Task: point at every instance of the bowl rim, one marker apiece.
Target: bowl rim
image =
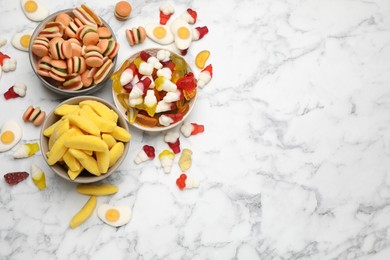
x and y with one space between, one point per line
69 93
156 128
56 167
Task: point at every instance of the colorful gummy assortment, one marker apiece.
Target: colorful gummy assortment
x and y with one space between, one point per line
155 90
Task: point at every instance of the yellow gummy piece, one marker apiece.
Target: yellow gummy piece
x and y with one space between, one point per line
87 161
48 131
104 125
58 149
30 6
116 152
97 190
115 77
123 98
201 58
84 124
137 62
109 140
66 109
59 130
84 213
40 180
101 109
151 110
131 115
72 163
166 153
158 82
103 161
73 174
32 148
185 160
121 134
86 142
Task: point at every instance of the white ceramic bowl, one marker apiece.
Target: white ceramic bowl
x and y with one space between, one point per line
61 170
52 84
123 110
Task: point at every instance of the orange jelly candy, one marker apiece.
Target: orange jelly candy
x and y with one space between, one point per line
146 120
188 95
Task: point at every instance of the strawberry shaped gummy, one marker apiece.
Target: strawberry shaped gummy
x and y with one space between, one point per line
13 178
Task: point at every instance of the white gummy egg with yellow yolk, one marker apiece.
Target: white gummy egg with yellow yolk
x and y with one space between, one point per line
159 33
10 135
34 10
21 41
182 33
115 216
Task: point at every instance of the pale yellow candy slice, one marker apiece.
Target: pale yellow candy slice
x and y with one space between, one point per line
116 152
101 109
105 125
87 161
86 142
84 124
66 109
121 134
59 130
109 139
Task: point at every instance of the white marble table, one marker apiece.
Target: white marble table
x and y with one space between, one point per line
294 162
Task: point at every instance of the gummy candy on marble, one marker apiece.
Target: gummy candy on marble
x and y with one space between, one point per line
166 158
147 153
185 160
6 63
187 83
150 102
163 83
188 95
38 177
26 150
166 11
168 119
201 58
199 32
3 42
172 138
17 90
146 120
205 76
189 16
184 182
13 178
188 129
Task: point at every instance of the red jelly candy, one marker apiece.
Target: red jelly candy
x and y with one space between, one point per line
3 57
187 83
193 14
149 150
169 64
197 129
181 181
144 56
14 178
175 146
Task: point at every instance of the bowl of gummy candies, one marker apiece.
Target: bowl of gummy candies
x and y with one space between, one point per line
155 89
73 51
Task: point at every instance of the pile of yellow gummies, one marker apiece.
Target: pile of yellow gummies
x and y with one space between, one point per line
86 136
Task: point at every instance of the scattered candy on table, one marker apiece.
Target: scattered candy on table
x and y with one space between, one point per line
6 63
17 90
166 159
13 178
184 182
10 135
26 150
205 76
38 177
21 41
97 190
122 10
189 16
173 141
34 115
84 213
185 160
201 59
34 10
147 153
166 11
115 216
136 35
199 32
188 129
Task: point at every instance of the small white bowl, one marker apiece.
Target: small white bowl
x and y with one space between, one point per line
123 111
